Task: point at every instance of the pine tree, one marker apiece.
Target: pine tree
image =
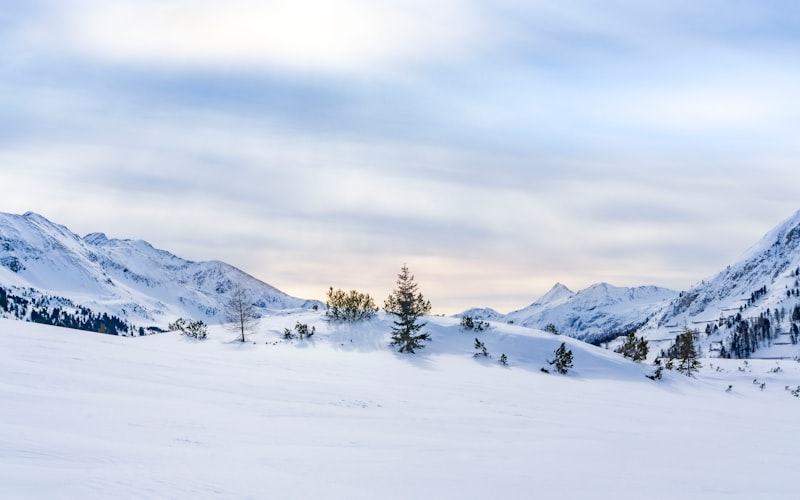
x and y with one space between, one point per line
407 305
551 328
634 348
658 371
686 354
562 360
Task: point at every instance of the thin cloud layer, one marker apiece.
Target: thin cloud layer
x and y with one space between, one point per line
342 36
496 147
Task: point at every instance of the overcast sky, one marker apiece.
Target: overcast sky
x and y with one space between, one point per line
497 147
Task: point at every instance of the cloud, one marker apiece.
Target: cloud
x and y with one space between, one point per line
496 146
347 36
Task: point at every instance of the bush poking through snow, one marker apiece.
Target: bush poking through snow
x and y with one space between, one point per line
468 323
349 307
562 361
301 331
195 329
551 328
480 347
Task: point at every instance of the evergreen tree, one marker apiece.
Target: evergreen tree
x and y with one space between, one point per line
551 328
562 360
658 371
686 354
503 359
634 348
407 305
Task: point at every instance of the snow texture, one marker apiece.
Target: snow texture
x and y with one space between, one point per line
342 416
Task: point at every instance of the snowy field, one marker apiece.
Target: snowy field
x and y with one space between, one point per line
342 416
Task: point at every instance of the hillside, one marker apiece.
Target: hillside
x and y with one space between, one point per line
342 416
129 279
751 308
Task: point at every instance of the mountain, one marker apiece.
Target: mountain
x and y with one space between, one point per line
557 296
484 313
127 278
597 314
749 306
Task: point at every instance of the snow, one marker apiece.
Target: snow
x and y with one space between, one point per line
342 416
593 314
126 278
770 264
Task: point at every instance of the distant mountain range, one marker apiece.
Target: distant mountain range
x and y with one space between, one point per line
126 278
751 308
596 314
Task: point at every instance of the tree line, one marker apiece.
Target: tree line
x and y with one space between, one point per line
62 312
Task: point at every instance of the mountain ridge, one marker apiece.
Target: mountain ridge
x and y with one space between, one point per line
128 278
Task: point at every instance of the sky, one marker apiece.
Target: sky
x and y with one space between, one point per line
496 147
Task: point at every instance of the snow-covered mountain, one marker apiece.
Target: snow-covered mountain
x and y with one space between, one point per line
126 278
596 314
747 307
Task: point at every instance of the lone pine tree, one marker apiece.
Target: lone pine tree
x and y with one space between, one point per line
686 353
562 360
407 305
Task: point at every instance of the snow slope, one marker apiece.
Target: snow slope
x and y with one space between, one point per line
126 278
342 416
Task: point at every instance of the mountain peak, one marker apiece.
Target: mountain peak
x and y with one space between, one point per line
95 238
559 292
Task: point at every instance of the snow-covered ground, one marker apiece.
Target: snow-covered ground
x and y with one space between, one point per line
340 415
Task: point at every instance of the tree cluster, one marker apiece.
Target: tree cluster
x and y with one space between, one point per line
469 323
634 348
684 352
301 331
62 312
551 328
349 307
195 329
